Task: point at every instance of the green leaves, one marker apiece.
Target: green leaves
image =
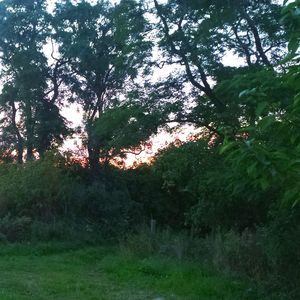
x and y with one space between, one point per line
248 92
293 45
124 128
106 50
266 122
265 156
291 20
33 121
227 147
261 108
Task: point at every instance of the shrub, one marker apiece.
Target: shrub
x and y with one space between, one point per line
51 192
282 246
163 242
14 229
39 189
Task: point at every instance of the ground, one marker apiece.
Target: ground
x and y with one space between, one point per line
65 272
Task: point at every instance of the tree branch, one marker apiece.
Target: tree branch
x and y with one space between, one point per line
257 39
205 88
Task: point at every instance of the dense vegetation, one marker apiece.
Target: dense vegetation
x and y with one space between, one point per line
231 194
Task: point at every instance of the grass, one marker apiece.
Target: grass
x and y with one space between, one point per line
62 272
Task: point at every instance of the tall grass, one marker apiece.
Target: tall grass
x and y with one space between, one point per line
244 254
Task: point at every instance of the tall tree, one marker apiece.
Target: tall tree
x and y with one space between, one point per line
196 35
105 47
29 97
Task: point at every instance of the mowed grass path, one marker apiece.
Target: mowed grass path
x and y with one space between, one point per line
60 272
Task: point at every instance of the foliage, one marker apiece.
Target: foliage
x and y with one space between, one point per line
291 20
29 98
145 189
197 190
103 55
182 170
196 35
14 228
266 155
124 129
37 189
48 192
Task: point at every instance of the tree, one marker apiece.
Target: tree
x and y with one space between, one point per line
197 34
30 93
106 48
124 129
266 155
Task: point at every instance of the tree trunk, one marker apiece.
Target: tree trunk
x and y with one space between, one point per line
20 151
29 152
20 142
93 149
94 156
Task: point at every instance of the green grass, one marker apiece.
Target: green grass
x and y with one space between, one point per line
62 272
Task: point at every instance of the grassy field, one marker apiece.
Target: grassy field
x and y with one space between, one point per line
62 272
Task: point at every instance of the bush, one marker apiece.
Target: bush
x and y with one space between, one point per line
41 231
236 253
282 246
39 189
163 242
53 193
65 230
14 229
